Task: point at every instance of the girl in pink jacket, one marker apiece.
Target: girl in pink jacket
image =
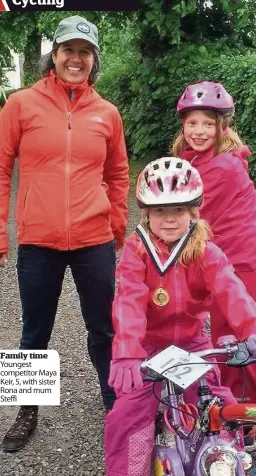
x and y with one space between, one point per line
168 272
217 152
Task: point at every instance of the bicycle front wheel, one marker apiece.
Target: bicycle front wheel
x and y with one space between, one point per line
221 460
221 468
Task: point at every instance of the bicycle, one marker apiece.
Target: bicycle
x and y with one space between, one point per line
198 449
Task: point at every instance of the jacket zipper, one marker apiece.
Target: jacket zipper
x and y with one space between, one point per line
178 303
67 179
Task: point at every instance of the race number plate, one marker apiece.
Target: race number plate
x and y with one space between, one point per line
179 366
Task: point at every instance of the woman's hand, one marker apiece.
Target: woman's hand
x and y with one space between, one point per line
3 260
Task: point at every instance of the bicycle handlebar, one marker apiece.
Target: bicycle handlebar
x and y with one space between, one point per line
238 354
215 352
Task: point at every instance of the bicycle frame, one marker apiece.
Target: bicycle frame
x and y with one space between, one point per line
187 458
196 452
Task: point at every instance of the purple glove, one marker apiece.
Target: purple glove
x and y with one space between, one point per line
125 375
251 344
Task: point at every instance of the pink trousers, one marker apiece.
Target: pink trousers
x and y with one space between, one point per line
130 426
231 377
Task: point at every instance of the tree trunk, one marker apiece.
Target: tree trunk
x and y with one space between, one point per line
32 54
21 64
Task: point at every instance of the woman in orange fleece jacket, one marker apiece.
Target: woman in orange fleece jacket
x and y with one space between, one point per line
72 199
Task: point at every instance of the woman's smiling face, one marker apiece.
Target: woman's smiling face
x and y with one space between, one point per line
74 61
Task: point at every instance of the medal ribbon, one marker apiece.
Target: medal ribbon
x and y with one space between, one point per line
177 250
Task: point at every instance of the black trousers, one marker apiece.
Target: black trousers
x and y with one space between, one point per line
40 276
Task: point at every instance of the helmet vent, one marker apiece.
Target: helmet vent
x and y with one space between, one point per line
179 165
146 178
160 184
167 164
199 95
156 167
187 178
218 96
174 183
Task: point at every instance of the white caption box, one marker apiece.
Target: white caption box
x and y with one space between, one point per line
179 366
29 377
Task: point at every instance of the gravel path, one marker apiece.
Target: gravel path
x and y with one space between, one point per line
68 440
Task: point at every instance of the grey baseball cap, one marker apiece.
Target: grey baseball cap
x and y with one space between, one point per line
76 27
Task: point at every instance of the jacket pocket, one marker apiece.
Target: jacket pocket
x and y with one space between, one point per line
25 204
105 202
22 201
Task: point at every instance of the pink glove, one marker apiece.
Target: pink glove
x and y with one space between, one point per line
224 340
125 375
251 344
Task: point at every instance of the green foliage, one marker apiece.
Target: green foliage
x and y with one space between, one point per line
6 92
160 25
164 23
120 60
164 54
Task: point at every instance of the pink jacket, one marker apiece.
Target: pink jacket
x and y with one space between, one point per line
229 203
138 321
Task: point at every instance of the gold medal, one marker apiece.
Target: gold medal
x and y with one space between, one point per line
161 297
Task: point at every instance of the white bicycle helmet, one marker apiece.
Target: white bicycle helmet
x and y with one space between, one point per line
169 181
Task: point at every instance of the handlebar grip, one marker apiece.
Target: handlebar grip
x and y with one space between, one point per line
152 376
241 358
147 378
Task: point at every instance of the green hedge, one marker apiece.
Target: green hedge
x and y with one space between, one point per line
147 94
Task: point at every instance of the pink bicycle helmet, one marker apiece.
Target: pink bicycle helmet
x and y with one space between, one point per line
169 181
206 95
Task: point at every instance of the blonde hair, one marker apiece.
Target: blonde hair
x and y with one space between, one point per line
197 241
224 142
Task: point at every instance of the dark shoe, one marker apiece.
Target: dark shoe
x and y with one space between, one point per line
19 433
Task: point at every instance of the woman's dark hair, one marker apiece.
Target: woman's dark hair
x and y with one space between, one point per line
46 64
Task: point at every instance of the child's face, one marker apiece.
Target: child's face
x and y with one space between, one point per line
200 131
169 223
